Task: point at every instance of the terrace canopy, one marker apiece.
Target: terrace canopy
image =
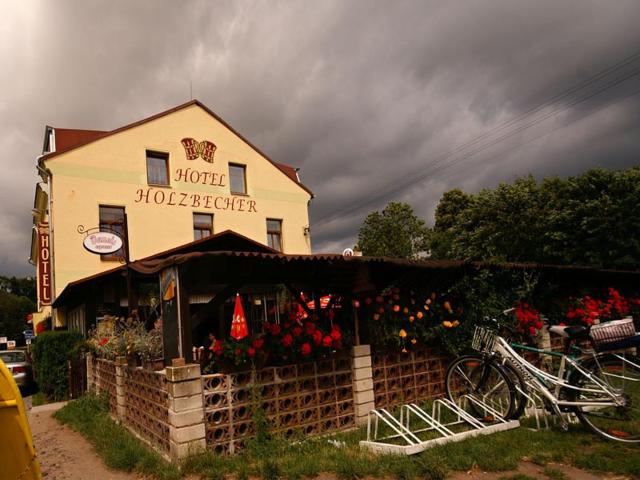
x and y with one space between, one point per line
214 269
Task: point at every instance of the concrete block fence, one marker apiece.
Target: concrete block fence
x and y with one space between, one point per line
179 412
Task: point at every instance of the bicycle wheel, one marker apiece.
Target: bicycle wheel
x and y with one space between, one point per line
520 385
622 376
472 377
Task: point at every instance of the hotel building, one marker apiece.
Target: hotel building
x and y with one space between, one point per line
178 176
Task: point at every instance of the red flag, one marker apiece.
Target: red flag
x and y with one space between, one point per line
239 328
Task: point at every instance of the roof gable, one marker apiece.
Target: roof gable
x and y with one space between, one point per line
74 138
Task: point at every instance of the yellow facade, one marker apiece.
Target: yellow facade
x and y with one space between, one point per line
112 171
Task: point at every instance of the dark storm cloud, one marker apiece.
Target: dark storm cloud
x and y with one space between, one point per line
362 95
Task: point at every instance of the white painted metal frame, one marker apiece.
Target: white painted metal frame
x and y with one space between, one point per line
426 422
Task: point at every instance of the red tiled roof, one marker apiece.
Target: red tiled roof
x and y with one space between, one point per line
289 171
69 138
73 138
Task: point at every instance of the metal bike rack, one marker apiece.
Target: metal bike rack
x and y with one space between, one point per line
414 421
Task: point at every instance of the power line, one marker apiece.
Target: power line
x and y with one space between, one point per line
413 178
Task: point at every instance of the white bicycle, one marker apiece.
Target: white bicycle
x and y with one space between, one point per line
600 385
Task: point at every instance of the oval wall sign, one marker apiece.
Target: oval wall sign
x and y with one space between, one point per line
102 242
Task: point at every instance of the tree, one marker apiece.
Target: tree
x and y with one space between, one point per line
13 309
22 287
447 217
591 219
394 232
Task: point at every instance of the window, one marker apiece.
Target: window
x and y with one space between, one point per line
202 225
157 168
274 234
112 220
237 179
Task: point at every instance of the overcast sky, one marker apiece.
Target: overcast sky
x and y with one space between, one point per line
374 100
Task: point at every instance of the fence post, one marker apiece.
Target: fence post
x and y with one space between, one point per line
186 411
121 364
362 382
90 378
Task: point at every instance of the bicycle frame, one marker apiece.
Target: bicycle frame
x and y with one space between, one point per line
536 378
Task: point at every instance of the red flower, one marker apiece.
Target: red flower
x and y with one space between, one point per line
305 349
251 352
103 341
317 337
297 331
327 341
258 343
336 335
287 340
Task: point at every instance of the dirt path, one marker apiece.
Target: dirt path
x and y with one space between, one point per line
65 454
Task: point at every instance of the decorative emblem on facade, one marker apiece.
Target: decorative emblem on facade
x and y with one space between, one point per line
195 149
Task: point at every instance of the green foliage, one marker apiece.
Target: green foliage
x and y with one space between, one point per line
591 219
51 351
13 309
118 448
396 232
21 287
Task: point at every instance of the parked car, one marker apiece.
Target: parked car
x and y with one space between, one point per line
19 364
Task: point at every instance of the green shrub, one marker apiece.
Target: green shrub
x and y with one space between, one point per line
51 352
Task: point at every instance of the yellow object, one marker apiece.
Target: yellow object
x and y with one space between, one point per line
447 324
17 455
402 333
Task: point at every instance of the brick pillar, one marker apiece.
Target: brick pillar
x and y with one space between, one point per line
121 364
186 411
362 382
90 379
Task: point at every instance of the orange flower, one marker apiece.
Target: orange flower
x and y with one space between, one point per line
412 318
455 323
376 316
447 324
447 306
405 310
396 308
402 333
413 341
419 314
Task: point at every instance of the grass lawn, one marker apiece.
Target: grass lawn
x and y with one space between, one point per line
308 457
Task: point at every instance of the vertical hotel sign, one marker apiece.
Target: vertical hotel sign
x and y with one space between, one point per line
44 265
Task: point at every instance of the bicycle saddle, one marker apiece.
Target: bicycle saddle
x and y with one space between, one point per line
573 332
